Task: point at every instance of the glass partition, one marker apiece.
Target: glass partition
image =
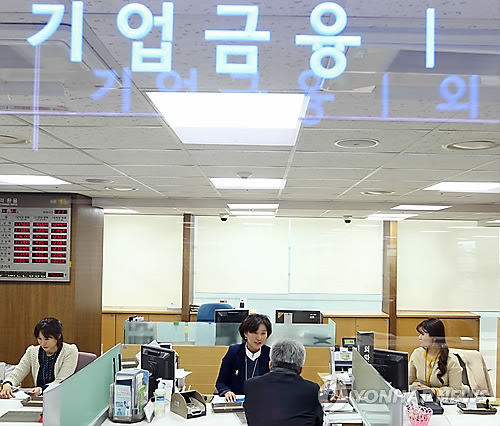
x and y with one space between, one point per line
378 403
83 398
223 334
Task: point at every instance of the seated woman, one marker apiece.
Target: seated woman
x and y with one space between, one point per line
431 365
50 362
245 360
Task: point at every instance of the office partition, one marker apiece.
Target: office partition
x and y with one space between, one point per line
83 398
217 334
377 401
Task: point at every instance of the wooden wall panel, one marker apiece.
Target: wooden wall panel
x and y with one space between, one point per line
456 327
187 265
86 248
390 277
77 303
108 332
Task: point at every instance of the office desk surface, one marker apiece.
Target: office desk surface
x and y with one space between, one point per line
15 405
219 419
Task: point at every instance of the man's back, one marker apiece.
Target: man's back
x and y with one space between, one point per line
282 397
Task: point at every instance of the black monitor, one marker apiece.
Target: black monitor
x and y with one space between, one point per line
160 362
299 316
393 367
230 315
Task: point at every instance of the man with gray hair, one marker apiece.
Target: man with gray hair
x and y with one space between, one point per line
282 397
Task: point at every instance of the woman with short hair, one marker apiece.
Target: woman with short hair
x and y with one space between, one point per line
51 361
245 360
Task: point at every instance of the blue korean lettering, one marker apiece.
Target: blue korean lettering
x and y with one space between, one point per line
111 76
250 33
328 44
316 99
453 96
57 14
430 37
179 83
163 54
254 84
385 95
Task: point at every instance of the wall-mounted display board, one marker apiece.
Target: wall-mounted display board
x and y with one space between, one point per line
35 237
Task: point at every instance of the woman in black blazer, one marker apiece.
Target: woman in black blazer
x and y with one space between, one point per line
245 360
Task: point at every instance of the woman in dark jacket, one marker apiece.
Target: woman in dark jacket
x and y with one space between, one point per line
245 360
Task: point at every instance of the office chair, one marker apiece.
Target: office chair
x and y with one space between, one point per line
206 312
84 359
475 374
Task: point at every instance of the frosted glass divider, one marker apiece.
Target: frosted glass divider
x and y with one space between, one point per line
83 398
224 334
377 402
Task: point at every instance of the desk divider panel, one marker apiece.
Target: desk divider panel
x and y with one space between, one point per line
84 397
377 402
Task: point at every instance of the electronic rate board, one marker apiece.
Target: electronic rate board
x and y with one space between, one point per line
35 237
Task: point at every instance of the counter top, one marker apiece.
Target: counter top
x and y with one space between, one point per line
436 314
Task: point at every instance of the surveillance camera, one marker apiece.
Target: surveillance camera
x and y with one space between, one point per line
347 218
224 217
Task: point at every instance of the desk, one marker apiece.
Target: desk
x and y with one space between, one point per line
451 417
220 419
15 405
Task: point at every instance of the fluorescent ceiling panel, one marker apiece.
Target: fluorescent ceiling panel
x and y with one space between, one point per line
481 187
389 216
251 213
232 118
30 180
238 183
253 206
419 207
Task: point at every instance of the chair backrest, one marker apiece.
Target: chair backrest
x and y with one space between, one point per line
206 312
477 373
84 358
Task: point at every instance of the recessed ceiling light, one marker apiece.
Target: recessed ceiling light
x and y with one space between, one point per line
377 192
480 187
119 211
251 213
232 118
30 180
11 140
419 207
356 143
237 183
471 145
98 180
390 216
121 188
253 206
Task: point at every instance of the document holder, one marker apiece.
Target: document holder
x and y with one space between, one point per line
188 404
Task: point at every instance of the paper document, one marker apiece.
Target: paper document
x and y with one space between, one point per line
220 399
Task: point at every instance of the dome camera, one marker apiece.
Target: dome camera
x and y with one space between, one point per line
347 218
224 217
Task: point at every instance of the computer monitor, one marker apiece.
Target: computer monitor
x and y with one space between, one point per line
227 324
160 362
299 316
393 367
230 315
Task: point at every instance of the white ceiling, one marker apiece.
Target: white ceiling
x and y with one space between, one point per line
139 149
